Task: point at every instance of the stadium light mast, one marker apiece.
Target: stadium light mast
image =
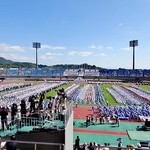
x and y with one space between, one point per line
36 45
133 43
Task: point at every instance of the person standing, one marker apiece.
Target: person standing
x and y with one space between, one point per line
77 143
40 105
118 121
23 108
4 114
119 143
13 112
32 103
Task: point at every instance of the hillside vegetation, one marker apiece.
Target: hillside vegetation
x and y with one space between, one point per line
4 63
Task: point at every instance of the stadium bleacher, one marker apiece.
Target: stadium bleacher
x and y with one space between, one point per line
78 72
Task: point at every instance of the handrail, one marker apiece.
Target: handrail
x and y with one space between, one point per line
61 145
24 121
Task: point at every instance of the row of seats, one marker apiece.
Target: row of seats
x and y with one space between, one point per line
76 72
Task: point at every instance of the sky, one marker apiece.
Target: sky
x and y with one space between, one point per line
96 32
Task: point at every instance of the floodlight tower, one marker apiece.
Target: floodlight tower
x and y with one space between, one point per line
36 45
133 43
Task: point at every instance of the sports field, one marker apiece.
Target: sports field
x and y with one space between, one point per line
106 133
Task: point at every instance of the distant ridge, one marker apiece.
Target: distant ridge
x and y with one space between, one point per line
5 63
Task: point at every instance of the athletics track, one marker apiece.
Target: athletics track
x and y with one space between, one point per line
101 133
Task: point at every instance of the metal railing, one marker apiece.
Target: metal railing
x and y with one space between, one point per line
12 127
60 146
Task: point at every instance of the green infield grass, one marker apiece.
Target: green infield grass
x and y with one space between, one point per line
107 96
145 87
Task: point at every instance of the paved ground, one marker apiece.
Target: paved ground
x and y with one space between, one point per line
107 133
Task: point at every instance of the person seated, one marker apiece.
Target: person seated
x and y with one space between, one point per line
106 146
91 147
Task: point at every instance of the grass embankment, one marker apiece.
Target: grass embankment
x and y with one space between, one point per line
108 98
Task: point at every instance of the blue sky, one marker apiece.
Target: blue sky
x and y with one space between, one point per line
96 32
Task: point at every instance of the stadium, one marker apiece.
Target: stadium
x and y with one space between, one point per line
98 106
74 75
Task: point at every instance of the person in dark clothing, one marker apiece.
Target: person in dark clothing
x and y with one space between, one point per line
100 120
86 121
117 121
119 143
40 105
50 103
13 111
4 114
23 108
92 120
23 111
12 145
32 103
146 124
43 95
77 143
91 147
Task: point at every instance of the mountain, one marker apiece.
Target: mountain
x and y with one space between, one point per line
4 63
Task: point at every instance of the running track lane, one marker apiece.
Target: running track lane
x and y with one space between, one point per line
104 132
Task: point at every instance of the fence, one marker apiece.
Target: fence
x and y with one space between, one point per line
36 144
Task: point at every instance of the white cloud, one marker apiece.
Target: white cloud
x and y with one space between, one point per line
92 46
126 49
7 47
95 46
100 47
72 53
101 54
46 57
54 54
50 56
85 54
15 57
109 48
82 54
53 47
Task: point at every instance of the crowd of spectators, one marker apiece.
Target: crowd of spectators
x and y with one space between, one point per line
52 107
